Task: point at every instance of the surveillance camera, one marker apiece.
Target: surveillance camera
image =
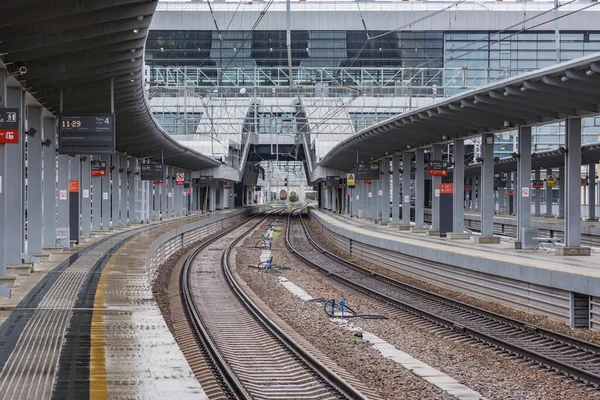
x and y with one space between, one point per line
22 70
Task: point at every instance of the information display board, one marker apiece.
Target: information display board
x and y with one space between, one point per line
86 134
152 172
437 168
9 125
367 171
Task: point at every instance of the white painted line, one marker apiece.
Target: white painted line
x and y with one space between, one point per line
419 368
296 290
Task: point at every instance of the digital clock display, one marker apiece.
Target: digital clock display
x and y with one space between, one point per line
87 134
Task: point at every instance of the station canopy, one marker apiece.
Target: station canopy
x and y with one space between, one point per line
76 47
539 97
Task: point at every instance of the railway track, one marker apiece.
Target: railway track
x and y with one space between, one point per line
574 358
245 352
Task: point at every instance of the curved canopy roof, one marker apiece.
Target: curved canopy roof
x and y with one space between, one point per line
79 46
535 98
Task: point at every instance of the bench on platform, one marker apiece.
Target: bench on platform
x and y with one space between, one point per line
545 240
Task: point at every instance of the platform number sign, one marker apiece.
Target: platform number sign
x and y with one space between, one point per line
9 125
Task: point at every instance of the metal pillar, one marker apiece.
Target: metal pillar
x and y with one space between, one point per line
487 185
49 182
538 196
4 148
86 204
105 193
386 190
435 190
561 191
131 190
115 192
458 199
396 189
501 200
406 163
592 192
420 188
75 208
213 191
124 167
34 181
96 196
477 193
523 190
334 205
156 196
13 185
162 207
548 194
63 192
573 183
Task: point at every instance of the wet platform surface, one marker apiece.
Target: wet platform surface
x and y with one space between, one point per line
85 325
578 274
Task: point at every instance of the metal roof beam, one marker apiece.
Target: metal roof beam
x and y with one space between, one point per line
541 100
577 100
499 101
508 114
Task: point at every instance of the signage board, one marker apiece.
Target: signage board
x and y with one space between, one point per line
98 168
499 182
368 181
367 171
73 186
86 134
228 187
380 192
446 188
584 181
437 168
524 191
179 178
62 194
325 187
157 181
437 172
104 195
351 182
187 185
189 191
406 199
9 125
538 184
204 178
152 172
550 181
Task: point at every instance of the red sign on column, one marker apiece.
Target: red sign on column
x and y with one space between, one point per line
157 182
180 178
9 125
447 188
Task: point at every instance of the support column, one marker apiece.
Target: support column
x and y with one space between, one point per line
157 198
396 189
592 192
523 189
477 193
86 204
420 189
501 200
49 182
75 199
372 199
487 189
572 185
123 206
131 190
458 199
538 195
548 194
386 191
162 188
379 194
4 148
436 153
213 190
96 196
34 181
561 192
63 195
406 163
105 193
13 185
334 205
115 192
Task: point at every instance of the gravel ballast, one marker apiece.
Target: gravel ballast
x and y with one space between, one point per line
493 375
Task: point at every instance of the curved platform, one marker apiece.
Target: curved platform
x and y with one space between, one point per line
90 327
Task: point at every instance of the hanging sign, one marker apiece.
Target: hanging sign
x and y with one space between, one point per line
152 172
367 171
437 168
179 178
537 184
98 168
86 134
9 125
350 181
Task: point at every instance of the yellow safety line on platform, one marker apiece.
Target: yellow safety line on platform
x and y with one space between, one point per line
98 382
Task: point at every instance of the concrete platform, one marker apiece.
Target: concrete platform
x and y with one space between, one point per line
103 335
537 281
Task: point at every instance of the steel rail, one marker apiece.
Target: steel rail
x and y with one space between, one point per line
557 365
